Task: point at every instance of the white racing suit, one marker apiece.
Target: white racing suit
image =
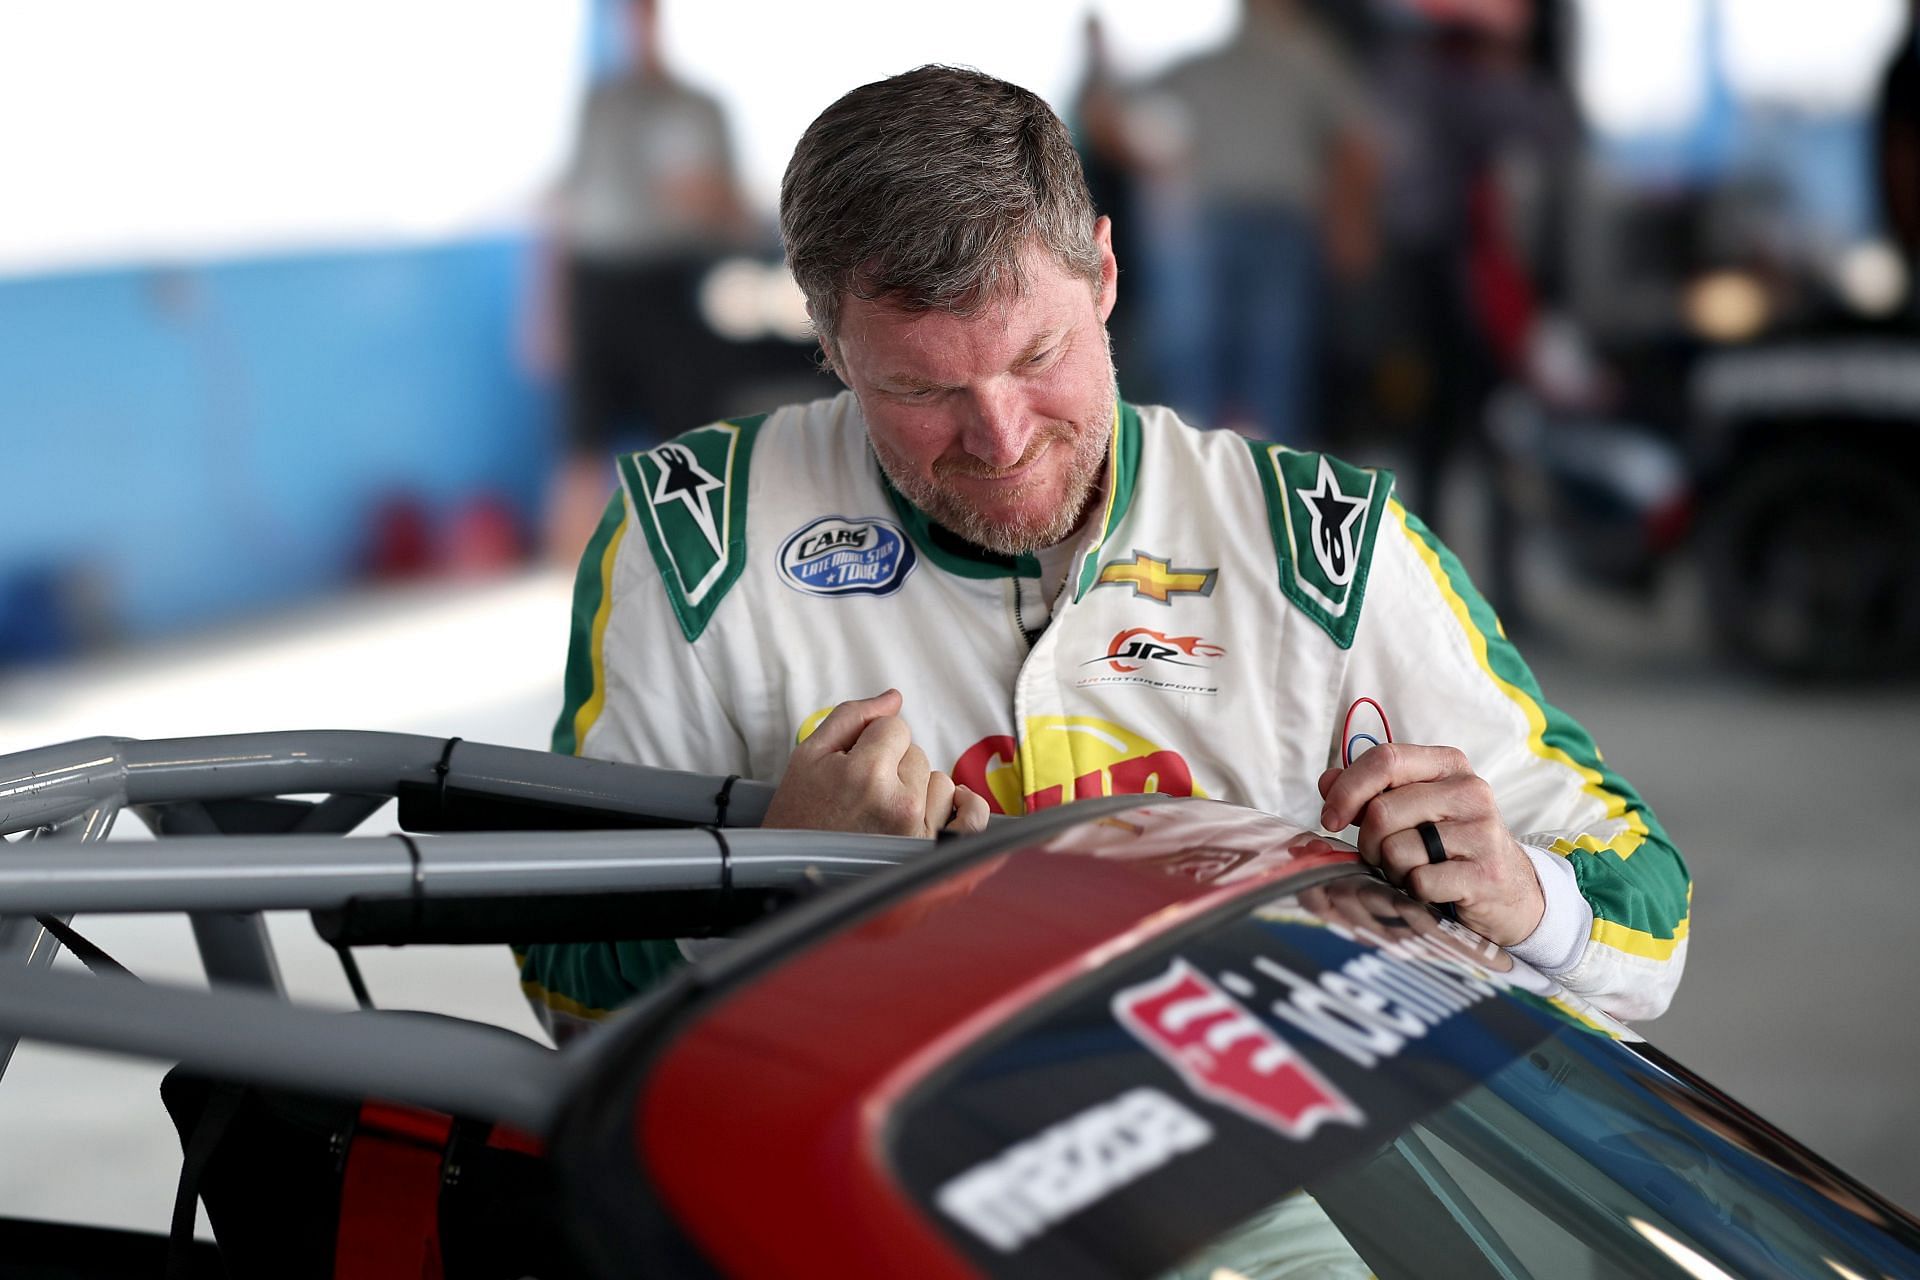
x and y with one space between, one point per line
1220 614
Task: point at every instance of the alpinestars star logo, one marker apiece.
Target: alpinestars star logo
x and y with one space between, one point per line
1333 515
684 480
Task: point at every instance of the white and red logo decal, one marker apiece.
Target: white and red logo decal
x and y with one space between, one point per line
1143 657
1135 647
1087 1157
1228 1055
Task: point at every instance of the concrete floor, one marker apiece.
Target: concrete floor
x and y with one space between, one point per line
1796 811
1793 808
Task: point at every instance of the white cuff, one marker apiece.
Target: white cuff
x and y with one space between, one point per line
1558 941
695 950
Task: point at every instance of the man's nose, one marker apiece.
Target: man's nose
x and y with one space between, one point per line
999 427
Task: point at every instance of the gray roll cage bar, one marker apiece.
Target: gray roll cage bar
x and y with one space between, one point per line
528 845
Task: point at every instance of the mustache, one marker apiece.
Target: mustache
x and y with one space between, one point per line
971 468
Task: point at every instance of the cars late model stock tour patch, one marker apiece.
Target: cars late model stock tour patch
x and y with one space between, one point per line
1117 1131
835 556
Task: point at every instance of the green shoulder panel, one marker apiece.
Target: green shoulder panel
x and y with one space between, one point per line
690 497
1324 515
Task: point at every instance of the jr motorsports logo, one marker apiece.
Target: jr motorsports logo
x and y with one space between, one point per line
1229 1056
835 556
1155 660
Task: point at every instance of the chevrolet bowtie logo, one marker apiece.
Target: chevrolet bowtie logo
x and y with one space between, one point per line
1151 577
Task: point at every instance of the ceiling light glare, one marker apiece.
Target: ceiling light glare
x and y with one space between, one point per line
1689 1260
1727 306
731 300
1872 278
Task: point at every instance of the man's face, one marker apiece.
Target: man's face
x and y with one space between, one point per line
995 424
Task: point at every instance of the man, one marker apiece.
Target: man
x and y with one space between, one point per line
1271 178
1067 595
1470 94
647 204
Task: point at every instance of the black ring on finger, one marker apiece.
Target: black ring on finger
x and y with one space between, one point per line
1430 836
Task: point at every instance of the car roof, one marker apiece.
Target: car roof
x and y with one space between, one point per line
800 1058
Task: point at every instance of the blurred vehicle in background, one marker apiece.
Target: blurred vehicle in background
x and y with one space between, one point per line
1732 371
1808 447
1757 410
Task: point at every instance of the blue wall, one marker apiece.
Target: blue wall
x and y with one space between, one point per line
204 441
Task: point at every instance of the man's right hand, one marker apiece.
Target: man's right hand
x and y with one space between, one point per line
859 771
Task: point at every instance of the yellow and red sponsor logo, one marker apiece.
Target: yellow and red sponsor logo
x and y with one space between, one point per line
1070 758
1064 758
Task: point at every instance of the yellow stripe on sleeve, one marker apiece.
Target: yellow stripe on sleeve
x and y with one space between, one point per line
561 1004
1573 1011
1638 942
589 712
1615 806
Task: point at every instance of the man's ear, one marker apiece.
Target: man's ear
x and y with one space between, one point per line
827 357
831 365
1109 268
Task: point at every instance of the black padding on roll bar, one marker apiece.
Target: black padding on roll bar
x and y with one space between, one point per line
588 917
453 808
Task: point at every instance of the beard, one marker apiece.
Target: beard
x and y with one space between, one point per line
949 506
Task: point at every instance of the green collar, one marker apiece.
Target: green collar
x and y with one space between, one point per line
1123 472
963 559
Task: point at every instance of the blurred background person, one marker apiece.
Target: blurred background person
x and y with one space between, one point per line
1897 148
1471 90
648 203
1112 158
1263 169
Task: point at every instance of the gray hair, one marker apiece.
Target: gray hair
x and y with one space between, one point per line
925 189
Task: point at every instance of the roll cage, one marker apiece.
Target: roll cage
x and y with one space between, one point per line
498 844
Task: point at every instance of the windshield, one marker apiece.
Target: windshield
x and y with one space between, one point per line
1575 1160
1338 1083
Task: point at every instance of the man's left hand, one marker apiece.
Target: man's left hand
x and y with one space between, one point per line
1391 789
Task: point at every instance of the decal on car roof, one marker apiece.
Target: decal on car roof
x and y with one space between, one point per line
1301 1037
1018 1194
1226 1054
